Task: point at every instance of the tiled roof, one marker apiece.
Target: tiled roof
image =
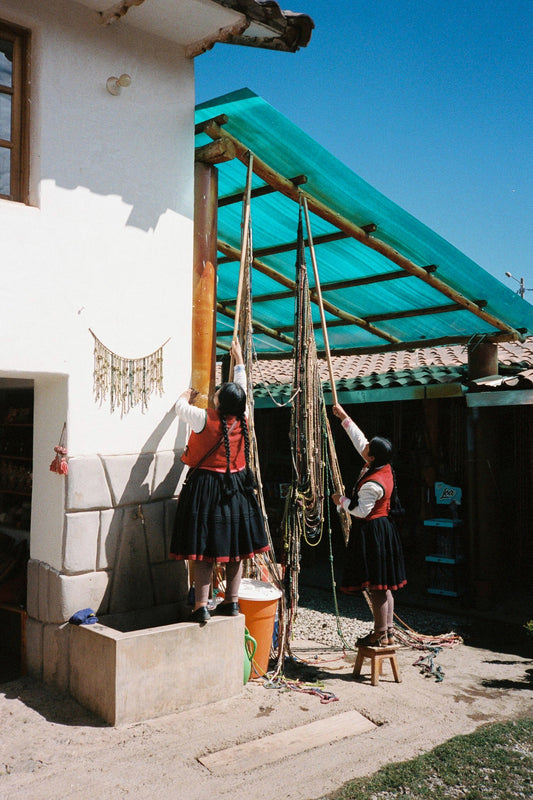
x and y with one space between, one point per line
421 367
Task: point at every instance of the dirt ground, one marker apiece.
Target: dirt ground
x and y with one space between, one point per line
52 748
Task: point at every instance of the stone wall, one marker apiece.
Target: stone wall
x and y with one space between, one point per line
119 514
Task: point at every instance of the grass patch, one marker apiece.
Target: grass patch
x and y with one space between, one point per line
493 763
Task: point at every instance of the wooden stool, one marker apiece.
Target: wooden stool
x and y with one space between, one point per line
377 656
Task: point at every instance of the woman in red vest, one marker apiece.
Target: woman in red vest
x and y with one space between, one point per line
218 518
374 558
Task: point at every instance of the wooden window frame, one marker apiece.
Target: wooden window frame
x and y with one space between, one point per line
20 113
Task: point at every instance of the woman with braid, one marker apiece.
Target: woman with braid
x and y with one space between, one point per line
374 558
218 519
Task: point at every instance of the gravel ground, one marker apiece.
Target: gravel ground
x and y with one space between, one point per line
316 618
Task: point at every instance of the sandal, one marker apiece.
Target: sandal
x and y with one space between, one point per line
374 639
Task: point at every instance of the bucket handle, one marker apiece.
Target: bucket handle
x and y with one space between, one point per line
249 642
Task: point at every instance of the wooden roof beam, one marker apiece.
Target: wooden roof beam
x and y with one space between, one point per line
283 185
257 326
287 248
229 199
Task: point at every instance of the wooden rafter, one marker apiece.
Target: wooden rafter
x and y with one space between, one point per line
262 252
273 333
259 192
286 187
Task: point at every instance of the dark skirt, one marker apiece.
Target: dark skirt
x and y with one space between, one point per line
374 557
214 524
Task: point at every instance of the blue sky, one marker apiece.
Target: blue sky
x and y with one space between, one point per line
430 102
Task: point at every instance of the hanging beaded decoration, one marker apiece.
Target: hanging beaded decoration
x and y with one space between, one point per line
128 381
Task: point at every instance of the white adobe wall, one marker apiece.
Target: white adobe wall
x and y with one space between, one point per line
107 245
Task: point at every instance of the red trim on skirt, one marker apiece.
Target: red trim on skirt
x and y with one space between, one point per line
222 560
356 589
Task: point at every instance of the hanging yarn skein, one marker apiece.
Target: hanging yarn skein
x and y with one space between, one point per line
128 381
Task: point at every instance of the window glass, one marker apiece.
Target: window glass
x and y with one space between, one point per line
6 63
5 117
5 171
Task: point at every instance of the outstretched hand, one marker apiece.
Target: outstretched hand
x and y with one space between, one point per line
236 352
339 411
190 395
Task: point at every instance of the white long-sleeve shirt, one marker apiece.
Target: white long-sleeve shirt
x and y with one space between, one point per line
196 417
370 491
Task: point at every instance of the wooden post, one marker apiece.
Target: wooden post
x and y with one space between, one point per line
204 282
486 518
482 360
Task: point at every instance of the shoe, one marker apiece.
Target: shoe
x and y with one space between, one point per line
373 639
200 615
391 639
228 610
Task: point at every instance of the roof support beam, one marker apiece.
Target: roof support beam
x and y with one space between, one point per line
283 185
259 192
286 248
495 338
257 326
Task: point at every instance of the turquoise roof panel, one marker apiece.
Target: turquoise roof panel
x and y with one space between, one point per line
396 285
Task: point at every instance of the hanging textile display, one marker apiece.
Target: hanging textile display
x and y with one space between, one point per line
128 381
316 472
243 331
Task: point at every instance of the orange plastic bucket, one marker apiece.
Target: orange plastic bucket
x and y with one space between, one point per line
258 601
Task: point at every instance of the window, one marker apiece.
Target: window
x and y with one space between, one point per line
14 117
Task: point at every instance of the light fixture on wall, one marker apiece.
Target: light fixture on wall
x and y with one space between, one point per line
114 85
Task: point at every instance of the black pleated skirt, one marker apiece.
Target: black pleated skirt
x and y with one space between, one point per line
374 557
214 524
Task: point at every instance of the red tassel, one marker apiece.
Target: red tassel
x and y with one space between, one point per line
63 466
54 466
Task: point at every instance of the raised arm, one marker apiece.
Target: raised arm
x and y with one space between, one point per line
357 437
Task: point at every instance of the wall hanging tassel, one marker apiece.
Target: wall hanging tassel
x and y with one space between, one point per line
60 463
128 381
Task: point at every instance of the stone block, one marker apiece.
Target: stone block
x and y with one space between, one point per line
170 582
167 471
170 516
34 647
132 585
32 594
129 677
81 541
87 486
130 478
154 523
56 668
44 590
111 522
70 593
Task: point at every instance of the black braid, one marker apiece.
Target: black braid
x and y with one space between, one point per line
228 487
396 508
250 482
226 440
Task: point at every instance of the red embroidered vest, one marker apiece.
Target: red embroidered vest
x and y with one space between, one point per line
385 478
201 443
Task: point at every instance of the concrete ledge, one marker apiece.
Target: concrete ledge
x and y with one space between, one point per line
131 676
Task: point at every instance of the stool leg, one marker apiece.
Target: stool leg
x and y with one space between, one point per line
358 663
376 670
395 670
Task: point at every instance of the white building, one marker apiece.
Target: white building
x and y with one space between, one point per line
96 232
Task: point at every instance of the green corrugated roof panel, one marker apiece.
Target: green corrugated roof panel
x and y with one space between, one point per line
289 151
